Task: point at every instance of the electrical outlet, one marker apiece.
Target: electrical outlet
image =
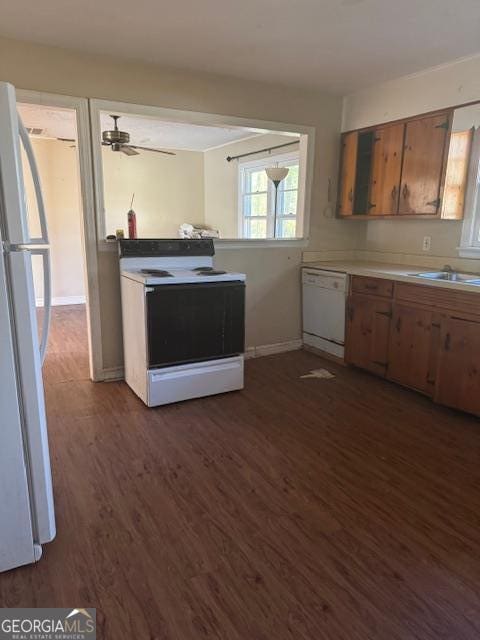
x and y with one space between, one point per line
427 243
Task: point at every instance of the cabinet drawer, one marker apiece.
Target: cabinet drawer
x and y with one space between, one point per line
439 298
372 286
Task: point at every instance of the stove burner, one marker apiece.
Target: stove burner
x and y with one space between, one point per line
159 273
210 272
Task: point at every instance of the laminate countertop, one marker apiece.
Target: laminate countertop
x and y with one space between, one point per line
399 272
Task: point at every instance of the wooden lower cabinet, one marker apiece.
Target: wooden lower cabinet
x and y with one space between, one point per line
368 329
432 346
458 379
414 341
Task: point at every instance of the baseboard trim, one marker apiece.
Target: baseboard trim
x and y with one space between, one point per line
324 354
115 373
271 349
62 301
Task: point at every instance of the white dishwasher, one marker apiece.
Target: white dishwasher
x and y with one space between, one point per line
324 298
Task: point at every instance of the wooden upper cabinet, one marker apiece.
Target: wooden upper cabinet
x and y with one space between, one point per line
386 170
423 165
348 173
412 167
458 161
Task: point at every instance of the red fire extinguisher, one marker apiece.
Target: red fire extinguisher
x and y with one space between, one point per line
132 221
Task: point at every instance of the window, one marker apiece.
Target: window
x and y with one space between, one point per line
258 217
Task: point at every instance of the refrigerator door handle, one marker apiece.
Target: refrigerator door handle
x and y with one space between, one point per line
47 299
27 145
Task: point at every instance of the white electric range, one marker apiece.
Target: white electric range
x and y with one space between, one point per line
183 320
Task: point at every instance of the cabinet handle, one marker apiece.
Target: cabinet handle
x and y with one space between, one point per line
350 195
433 203
399 324
447 342
350 313
394 192
387 314
371 287
405 191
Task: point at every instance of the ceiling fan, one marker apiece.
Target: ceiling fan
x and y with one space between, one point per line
119 141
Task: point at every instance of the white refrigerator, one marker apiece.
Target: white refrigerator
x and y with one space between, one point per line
26 500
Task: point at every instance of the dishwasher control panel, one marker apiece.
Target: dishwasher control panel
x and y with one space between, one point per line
325 279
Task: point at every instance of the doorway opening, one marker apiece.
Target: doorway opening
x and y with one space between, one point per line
54 138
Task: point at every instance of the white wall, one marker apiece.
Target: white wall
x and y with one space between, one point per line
169 190
444 86
57 166
273 288
221 180
192 186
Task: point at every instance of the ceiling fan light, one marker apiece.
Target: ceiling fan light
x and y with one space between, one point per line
119 141
276 174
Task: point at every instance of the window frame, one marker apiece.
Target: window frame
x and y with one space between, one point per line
279 159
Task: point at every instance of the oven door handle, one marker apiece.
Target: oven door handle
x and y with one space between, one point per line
153 289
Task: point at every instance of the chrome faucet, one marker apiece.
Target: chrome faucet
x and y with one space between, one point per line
448 268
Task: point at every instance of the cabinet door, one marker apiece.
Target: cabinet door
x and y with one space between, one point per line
458 378
368 327
386 170
423 165
414 339
347 173
456 176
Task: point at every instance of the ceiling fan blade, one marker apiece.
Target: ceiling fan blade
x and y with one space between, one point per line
128 151
168 153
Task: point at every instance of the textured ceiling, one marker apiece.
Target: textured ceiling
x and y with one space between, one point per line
334 45
150 132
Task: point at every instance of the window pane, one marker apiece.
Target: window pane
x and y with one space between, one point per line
257 180
291 181
287 204
286 228
255 205
255 228
257 201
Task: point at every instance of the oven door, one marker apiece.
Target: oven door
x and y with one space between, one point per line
195 322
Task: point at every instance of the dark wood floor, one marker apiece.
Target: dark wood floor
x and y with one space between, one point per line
310 509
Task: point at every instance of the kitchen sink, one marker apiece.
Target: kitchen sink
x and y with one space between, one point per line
450 276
